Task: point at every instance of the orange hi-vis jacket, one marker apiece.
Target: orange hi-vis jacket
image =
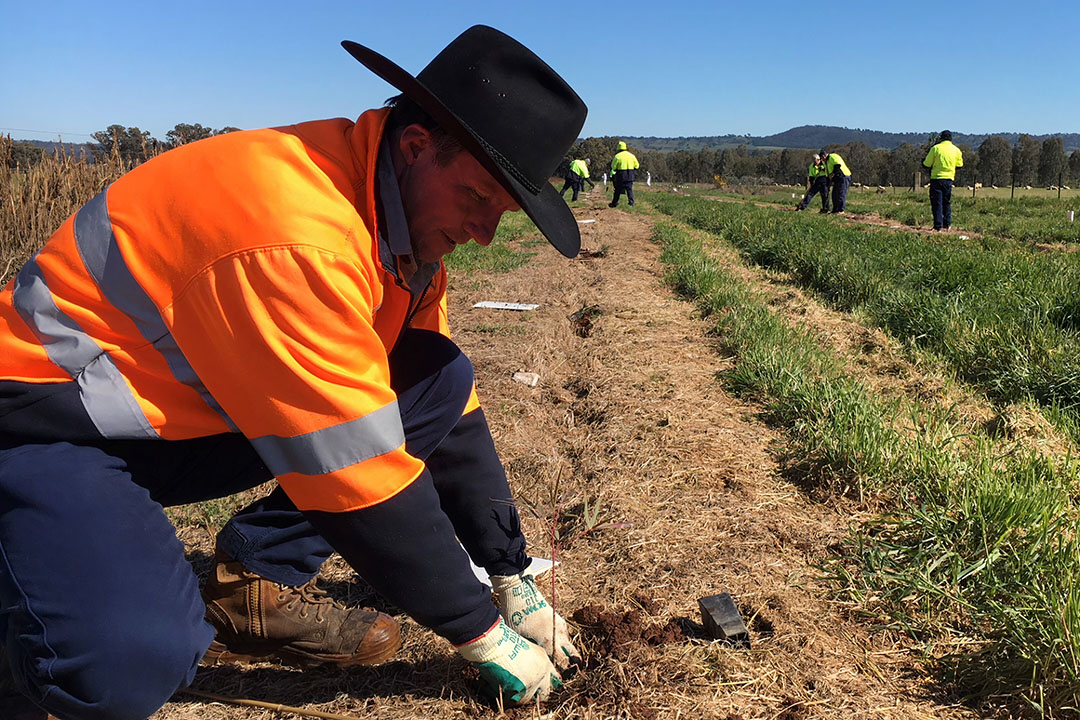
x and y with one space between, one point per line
253 301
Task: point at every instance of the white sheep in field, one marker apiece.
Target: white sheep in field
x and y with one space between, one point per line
977 186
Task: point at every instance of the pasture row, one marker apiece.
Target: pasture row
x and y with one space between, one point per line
976 557
1035 216
1030 219
1003 318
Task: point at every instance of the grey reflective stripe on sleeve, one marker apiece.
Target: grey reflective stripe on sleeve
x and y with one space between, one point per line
335 447
103 260
107 399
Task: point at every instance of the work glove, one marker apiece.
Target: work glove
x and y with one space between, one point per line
526 611
510 666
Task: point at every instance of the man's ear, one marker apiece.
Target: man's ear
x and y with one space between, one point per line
414 140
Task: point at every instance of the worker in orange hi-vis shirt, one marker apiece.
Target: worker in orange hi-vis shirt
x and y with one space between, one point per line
270 304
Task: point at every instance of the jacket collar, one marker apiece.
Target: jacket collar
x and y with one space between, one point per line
395 247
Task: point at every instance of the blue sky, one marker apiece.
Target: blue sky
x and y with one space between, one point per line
644 68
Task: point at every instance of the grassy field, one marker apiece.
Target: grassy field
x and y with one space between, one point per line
960 525
979 542
1003 317
1034 216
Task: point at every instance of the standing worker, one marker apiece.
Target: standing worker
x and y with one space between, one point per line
943 159
576 177
271 304
839 178
623 168
817 182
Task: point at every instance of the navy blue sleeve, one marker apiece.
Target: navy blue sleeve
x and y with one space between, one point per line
472 487
406 549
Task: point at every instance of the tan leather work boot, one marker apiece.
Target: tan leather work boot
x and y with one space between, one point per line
257 619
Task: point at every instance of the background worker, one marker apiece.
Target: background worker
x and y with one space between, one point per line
943 159
271 304
576 177
623 168
817 182
839 177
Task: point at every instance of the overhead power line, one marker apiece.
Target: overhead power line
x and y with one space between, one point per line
45 132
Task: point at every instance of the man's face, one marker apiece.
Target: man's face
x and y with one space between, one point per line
447 205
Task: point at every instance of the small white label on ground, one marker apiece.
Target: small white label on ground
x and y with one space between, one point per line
505 305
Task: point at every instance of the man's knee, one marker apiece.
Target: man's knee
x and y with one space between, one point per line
126 674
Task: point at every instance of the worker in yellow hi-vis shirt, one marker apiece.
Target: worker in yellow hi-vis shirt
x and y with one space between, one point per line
839 179
576 177
943 159
816 182
623 168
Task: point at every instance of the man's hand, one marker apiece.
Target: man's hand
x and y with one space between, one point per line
527 612
510 666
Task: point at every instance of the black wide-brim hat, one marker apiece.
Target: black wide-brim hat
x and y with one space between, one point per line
508 108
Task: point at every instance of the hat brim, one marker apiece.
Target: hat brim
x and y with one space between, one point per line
547 208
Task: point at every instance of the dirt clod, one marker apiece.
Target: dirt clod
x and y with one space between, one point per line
610 632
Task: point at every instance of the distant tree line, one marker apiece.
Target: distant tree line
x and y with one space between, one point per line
135 145
130 144
994 162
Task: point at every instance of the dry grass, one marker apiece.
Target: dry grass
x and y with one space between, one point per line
35 201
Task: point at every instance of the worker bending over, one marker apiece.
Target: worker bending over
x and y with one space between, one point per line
272 304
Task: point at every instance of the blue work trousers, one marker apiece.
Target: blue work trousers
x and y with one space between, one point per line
101 617
817 185
573 182
941 202
840 184
621 188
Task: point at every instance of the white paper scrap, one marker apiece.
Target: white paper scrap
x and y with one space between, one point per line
586 222
526 378
536 568
505 305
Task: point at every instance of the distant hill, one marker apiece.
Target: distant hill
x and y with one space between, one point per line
813 137
75 149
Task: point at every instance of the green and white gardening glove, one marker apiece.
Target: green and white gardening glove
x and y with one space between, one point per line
526 610
510 666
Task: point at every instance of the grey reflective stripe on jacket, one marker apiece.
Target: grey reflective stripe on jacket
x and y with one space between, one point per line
106 396
98 249
334 447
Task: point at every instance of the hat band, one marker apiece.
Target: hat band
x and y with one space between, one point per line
503 163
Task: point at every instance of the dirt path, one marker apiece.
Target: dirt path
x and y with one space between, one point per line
662 488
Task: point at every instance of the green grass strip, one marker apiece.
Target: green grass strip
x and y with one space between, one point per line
980 543
1004 319
499 256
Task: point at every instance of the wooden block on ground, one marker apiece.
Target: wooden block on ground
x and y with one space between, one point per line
722 620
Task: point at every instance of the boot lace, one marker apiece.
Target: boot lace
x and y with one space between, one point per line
306 596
